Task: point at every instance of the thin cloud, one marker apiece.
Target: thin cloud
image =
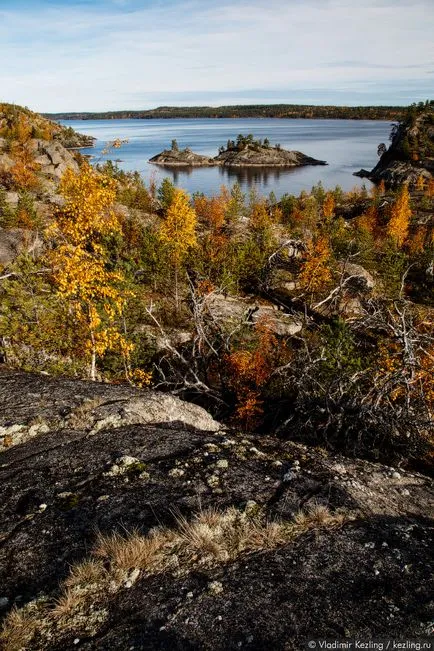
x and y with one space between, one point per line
95 55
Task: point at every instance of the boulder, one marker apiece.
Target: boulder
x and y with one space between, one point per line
88 406
53 158
357 277
6 162
12 199
15 241
231 311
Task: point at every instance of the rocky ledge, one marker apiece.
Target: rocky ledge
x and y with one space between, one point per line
246 156
410 155
133 520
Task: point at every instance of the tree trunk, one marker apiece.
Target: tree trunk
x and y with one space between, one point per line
93 359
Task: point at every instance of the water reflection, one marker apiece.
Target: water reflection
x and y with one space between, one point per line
177 173
254 176
245 176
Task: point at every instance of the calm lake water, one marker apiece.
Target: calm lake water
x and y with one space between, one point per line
347 146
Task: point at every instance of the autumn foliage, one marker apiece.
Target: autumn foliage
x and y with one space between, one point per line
316 271
248 373
398 226
178 232
79 261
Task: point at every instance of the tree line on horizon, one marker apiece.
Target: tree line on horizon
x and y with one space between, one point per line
244 111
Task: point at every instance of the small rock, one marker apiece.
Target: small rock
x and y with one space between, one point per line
215 587
222 463
189 595
257 452
277 464
42 507
211 447
176 472
77 640
396 475
132 577
123 465
251 508
4 602
405 492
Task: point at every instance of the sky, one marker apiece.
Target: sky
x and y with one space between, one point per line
96 55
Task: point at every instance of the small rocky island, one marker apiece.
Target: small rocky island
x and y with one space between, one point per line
244 152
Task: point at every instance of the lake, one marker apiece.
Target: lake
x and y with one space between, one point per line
347 146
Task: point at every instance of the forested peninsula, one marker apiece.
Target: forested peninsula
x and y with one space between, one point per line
241 111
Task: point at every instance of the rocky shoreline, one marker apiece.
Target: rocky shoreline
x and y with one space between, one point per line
410 155
250 154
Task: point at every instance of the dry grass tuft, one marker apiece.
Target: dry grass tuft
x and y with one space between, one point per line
88 572
18 630
133 550
318 516
209 538
67 603
223 536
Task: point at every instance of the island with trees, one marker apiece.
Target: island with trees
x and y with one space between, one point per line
245 151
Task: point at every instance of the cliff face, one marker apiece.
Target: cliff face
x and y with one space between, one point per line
411 153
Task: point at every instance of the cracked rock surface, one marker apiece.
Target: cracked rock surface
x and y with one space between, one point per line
368 578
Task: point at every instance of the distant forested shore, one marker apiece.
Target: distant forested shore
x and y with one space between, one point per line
248 111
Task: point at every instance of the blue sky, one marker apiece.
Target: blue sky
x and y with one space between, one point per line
77 55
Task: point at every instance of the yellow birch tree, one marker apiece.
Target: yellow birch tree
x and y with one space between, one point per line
79 261
178 232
